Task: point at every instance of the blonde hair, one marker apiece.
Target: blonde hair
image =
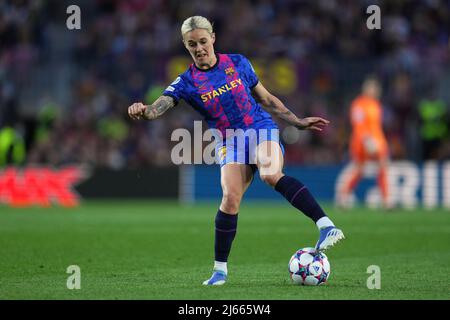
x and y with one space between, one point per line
196 22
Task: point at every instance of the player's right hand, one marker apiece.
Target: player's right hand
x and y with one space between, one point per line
137 111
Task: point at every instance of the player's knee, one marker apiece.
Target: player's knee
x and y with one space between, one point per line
231 201
270 179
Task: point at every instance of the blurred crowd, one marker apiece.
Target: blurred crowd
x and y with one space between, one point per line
124 50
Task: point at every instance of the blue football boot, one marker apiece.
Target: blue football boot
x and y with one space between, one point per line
218 278
329 236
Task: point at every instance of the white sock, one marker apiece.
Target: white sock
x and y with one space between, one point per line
324 222
221 266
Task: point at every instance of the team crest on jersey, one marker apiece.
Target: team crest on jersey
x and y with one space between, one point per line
229 71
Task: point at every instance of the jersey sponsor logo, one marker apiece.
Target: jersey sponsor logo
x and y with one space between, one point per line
221 90
170 88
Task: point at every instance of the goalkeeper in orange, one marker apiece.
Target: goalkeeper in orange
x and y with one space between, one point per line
367 142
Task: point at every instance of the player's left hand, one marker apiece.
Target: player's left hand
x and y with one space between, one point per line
312 123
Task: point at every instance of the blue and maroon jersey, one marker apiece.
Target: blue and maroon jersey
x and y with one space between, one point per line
222 94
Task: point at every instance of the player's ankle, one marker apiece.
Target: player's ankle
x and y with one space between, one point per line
220 266
324 222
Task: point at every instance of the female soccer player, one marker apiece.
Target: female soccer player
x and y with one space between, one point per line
225 90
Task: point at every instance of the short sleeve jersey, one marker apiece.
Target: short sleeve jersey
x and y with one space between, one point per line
222 94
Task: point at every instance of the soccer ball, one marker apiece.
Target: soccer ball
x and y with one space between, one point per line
309 267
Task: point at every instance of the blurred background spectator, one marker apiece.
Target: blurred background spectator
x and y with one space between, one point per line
64 93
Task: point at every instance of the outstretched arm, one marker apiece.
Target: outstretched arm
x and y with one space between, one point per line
141 111
275 107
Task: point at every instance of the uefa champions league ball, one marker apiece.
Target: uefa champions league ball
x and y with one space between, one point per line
308 267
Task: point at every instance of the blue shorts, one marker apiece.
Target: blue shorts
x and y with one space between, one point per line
241 147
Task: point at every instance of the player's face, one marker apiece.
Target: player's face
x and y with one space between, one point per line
200 44
373 89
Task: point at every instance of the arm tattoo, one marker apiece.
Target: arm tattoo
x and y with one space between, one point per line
161 105
278 109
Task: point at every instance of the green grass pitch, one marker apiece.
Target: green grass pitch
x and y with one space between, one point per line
157 250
